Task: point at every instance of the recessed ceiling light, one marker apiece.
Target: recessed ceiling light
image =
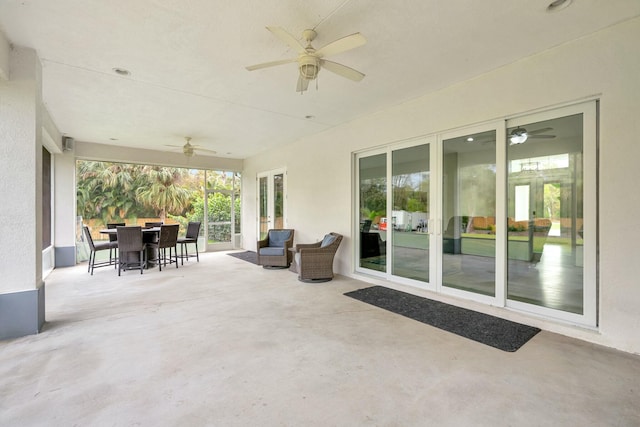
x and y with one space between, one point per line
309 117
557 5
121 71
113 139
470 139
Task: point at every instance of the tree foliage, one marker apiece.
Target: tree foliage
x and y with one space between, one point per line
114 192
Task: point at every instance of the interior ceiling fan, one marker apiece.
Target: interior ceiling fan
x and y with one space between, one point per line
520 135
189 149
517 135
310 60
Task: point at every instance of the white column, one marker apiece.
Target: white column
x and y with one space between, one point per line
64 214
21 286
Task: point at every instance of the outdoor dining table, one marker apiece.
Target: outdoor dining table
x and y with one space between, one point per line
149 235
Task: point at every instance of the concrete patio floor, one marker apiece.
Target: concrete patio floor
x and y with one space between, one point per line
226 343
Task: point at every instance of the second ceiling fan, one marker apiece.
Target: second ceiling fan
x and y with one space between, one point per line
188 149
310 60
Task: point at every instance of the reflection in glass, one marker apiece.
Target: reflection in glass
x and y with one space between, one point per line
373 207
278 201
410 170
264 207
545 228
469 213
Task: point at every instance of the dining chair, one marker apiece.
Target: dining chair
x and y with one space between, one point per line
95 248
193 230
113 238
153 224
132 248
168 239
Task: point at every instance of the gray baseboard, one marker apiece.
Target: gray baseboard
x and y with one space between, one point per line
21 313
65 256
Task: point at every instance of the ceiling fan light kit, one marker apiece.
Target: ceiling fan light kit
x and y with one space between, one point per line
309 67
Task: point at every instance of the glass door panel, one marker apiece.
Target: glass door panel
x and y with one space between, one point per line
469 213
545 241
278 201
222 196
374 223
410 214
271 198
219 217
263 197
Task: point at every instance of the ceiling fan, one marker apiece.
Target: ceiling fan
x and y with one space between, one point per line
310 60
520 135
189 149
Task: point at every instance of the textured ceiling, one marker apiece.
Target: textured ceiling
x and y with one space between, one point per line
187 61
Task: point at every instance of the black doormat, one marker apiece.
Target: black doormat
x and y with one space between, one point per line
248 256
499 333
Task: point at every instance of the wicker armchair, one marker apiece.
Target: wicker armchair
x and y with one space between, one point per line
273 250
314 261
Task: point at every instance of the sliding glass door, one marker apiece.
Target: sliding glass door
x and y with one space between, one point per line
469 212
394 203
411 189
372 212
502 213
551 213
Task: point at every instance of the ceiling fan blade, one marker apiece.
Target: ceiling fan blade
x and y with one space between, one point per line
176 146
197 148
543 130
342 70
542 136
302 85
342 45
270 64
287 38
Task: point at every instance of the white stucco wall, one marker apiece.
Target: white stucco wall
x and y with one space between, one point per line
605 64
21 166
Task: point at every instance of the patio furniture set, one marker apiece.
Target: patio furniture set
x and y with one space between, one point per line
136 247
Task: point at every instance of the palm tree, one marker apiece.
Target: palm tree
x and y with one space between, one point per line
160 188
106 190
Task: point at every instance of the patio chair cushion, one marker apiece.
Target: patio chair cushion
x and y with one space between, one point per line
271 251
277 239
328 239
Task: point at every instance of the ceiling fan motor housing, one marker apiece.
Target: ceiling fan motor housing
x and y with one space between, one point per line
309 66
